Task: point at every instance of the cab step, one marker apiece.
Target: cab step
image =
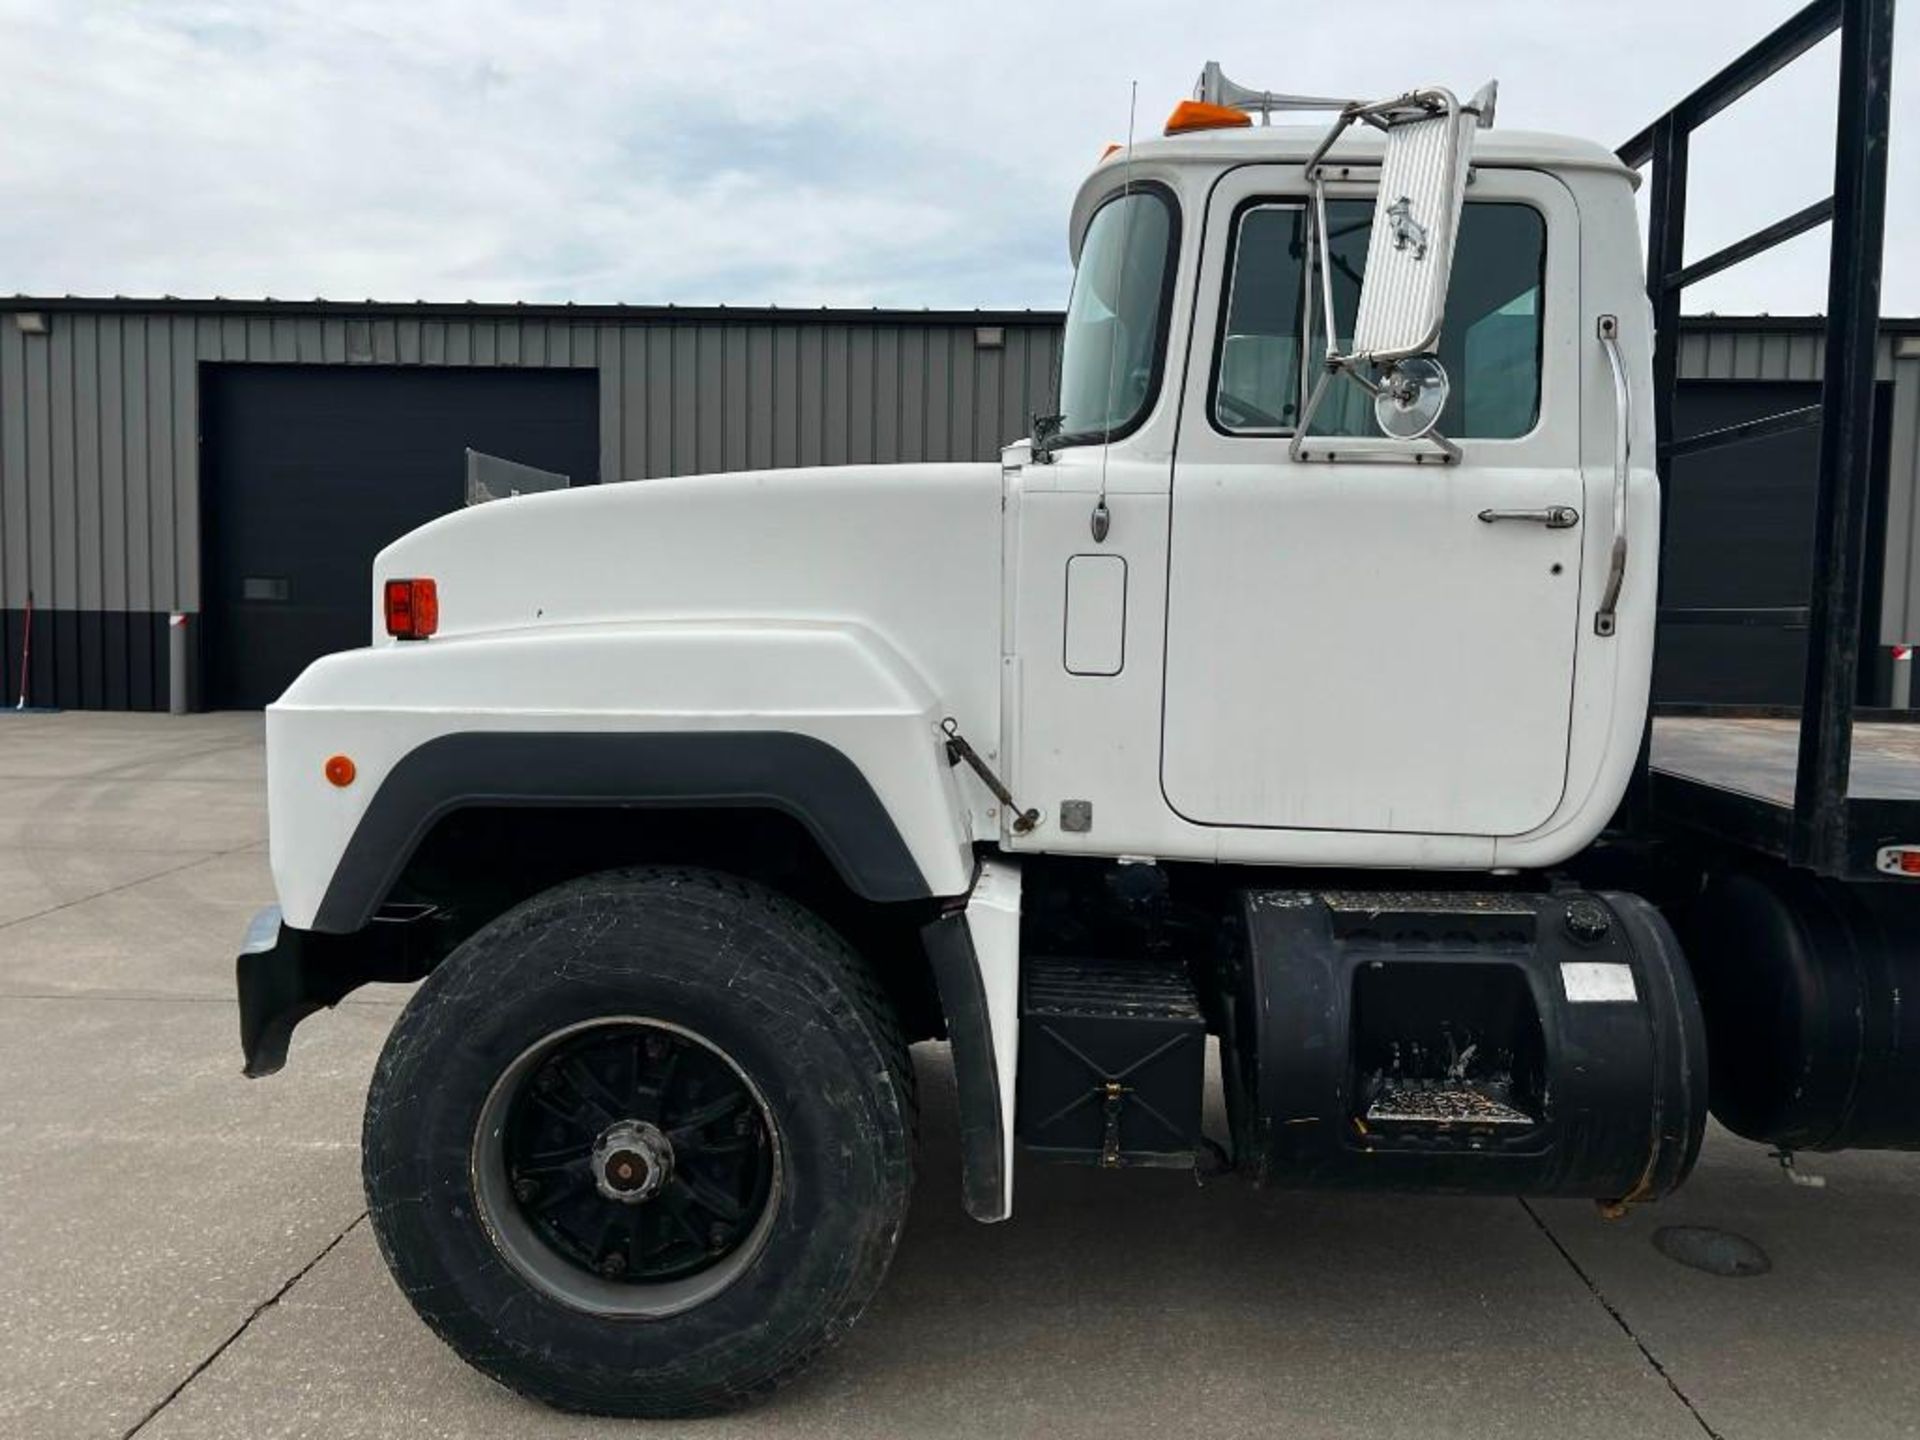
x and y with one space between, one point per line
1420 1102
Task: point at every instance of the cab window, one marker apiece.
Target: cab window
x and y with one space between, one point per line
1112 352
1490 343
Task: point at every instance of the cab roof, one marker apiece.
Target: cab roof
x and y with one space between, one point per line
1292 144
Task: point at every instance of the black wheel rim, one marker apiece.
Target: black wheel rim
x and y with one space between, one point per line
627 1166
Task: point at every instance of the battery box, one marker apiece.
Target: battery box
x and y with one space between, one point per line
1112 1060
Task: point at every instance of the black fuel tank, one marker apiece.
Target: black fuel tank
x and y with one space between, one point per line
1539 1044
1811 990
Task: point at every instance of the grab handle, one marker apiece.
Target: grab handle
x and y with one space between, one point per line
1609 332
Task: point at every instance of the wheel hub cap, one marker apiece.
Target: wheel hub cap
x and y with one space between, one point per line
632 1161
627 1166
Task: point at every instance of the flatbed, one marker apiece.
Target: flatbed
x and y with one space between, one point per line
1822 788
1732 778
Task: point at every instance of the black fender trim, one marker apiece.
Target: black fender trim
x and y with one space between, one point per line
796 774
283 975
956 971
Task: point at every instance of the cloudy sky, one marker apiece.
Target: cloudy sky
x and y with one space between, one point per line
826 153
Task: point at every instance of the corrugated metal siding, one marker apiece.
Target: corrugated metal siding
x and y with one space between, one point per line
1900 581
99 452
1757 354
1751 353
99 444
691 399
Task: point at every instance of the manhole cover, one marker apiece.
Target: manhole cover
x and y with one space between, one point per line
1718 1252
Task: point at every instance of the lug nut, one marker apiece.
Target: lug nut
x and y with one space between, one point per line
525 1188
613 1266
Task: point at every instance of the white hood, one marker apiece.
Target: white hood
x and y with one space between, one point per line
911 552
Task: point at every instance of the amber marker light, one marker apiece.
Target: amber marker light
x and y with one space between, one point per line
340 770
1191 115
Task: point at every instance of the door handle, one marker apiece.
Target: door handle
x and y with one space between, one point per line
1554 517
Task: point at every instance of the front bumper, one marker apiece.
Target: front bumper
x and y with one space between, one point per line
284 975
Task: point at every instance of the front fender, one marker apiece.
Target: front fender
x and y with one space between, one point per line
823 721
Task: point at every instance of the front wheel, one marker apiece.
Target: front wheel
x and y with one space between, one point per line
643 1145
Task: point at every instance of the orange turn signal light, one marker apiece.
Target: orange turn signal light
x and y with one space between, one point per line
340 770
1191 115
413 609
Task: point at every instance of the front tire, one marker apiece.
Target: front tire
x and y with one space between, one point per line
643 1145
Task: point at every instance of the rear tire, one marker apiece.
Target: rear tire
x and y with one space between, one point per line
643 1145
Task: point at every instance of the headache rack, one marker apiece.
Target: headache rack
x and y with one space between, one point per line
1811 788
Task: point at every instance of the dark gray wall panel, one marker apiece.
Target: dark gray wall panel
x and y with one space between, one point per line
309 472
100 421
85 659
1740 535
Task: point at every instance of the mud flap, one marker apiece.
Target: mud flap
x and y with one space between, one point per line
975 955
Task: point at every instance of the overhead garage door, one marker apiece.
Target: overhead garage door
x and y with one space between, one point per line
1740 527
308 471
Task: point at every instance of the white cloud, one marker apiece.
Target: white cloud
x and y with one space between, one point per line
831 153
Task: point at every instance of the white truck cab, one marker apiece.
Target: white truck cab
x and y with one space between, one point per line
1314 658
1205 679
1275 700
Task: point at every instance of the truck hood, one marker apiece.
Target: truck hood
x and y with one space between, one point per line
910 552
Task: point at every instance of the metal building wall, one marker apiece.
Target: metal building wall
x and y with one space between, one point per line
99 445
99 454
1758 349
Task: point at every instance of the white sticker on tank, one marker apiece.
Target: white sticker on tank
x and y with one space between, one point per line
1591 980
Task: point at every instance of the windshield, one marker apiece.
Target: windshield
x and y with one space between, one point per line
1110 356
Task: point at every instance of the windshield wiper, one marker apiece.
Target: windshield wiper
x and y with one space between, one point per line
1046 437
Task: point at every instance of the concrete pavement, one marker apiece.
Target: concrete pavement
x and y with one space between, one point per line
183 1252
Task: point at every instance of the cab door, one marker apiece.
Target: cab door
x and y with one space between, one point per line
1376 645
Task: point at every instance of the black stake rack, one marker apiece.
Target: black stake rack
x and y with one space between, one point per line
1796 792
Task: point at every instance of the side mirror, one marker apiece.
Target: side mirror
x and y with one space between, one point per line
1416 219
1411 396
1403 293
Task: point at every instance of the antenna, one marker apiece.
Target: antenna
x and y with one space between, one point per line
1102 519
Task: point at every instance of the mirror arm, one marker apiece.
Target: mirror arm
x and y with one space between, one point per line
1324 247
1334 449
1296 449
1346 118
1423 106
1306 324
